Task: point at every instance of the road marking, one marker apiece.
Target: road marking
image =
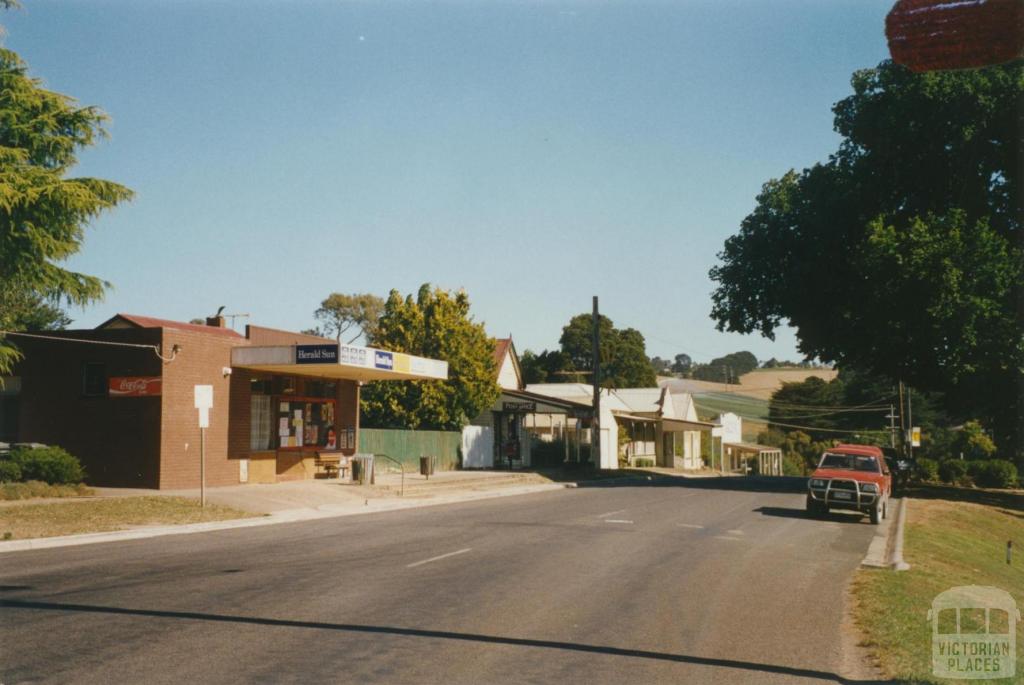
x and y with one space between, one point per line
617 521
610 513
725 537
438 558
690 525
734 532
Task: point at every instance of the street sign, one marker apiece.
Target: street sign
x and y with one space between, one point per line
204 396
915 436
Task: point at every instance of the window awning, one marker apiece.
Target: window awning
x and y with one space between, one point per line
343 362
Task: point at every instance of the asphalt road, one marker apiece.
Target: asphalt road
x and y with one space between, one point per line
662 583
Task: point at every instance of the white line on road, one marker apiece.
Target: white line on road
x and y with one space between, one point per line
610 513
438 558
735 532
726 537
690 525
617 521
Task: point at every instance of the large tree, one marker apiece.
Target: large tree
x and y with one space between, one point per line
624 362
43 212
437 324
903 254
342 314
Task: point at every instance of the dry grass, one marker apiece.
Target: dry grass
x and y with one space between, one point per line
21 521
35 489
759 384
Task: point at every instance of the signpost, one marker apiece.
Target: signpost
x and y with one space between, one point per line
204 403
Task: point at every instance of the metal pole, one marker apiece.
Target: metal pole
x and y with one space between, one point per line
595 437
202 467
910 422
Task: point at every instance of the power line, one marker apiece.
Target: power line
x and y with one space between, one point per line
39 336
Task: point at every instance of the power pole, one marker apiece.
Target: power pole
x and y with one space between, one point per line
903 427
892 426
595 423
910 424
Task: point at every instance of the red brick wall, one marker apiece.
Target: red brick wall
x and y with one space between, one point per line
263 337
201 361
117 439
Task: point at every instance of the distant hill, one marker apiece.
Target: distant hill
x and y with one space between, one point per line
749 399
760 383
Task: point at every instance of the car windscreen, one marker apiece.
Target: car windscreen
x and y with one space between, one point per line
849 462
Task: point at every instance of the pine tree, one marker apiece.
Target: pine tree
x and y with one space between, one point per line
43 213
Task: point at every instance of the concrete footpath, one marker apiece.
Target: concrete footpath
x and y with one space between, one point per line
310 499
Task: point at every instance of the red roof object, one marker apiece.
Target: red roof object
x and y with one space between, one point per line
150 322
500 348
937 35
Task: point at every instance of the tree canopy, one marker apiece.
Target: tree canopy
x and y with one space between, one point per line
437 324
903 254
341 314
43 213
624 362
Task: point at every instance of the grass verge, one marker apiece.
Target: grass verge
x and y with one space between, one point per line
947 543
35 488
21 521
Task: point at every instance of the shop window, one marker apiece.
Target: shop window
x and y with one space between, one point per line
306 422
261 386
94 379
260 423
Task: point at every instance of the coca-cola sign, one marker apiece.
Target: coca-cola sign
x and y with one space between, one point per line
135 386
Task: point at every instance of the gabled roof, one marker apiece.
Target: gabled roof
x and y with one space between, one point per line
135 321
641 400
505 348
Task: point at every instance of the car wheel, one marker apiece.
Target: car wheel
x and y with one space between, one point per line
876 513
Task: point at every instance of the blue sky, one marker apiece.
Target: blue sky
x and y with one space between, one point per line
533 153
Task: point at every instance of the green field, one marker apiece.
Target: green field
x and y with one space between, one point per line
713 403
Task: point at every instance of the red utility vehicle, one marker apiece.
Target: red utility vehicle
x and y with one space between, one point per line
851 477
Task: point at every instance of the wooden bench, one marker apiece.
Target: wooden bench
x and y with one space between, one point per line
332 464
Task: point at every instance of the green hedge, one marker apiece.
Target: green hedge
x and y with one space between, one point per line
993 473
9 471
953 471
51 465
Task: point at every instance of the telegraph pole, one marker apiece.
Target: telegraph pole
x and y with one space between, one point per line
892 425
903 428
595 423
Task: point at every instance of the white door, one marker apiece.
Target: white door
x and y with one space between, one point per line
477 447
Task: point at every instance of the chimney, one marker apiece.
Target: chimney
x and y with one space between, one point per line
215 321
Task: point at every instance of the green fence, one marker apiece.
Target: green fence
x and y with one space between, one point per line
408 446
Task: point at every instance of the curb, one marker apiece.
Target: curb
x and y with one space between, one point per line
886 548
285 516
896 560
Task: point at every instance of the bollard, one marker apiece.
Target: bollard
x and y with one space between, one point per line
1009 551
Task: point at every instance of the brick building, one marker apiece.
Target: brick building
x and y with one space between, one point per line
121 397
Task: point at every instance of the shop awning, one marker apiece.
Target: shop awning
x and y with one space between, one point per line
344 362
667 425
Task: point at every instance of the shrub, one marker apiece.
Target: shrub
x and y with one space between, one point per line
49 464
643 463
10 472
953 471
993 473
927 469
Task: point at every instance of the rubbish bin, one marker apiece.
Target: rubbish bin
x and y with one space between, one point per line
427 466
362 469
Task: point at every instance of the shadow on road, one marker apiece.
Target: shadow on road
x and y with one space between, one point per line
786 484
790 513
444 635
